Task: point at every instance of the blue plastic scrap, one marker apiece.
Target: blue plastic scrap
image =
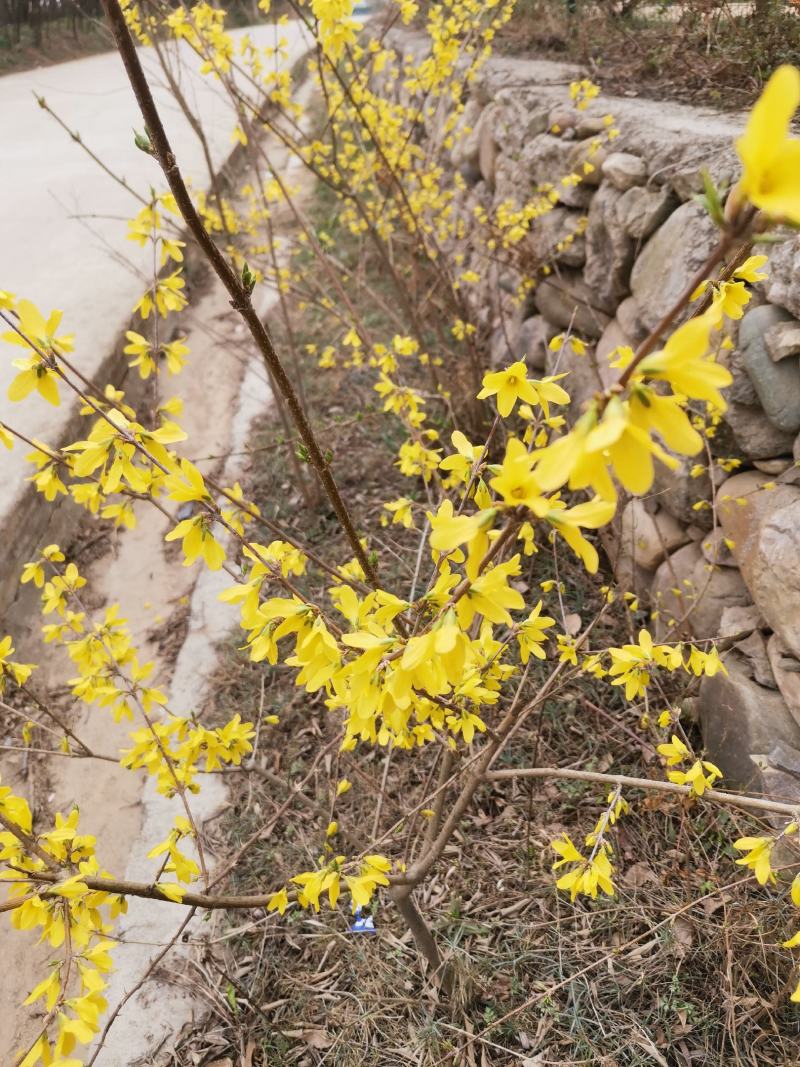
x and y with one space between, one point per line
362 924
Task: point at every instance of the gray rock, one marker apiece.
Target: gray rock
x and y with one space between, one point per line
677 492
563 118
587 159
783 285
755 435
613 338
504 344
550 230
641 211
741 721
579 196
565 300
741 390
590 125
624 170
647 537
672 255
777 384
534 336
786 672
465 149
774 467
764 526
630 576
783 340
738 622
583 379
545 159
487 146
609 251
629 316
714 549
518 119
688 595
754 649
470 172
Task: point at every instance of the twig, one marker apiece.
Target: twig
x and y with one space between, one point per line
240 295
132 992
734 799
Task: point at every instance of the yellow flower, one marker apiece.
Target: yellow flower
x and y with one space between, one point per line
700 776
448 530
675 752
750 270
462 461
509 386
592 514
770 158
759 851
685 362
197 540
531 634
631 664
491 596
730 298
577 345
400 512
38 330
278 901
516 483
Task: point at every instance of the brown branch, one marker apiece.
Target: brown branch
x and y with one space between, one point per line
239 294
716 256
30 843
150 891
719 796
135 989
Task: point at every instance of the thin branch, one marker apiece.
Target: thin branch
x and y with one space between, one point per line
735 800
239 294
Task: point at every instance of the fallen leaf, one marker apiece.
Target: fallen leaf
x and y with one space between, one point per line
639 874
319 1039
572 624
683 934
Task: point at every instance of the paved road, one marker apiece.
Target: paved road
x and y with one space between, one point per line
62 228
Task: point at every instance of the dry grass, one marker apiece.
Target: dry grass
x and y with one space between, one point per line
674 970
699 51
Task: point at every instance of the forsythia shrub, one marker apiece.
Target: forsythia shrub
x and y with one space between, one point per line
444 668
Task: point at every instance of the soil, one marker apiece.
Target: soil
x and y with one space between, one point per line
703 53
305 989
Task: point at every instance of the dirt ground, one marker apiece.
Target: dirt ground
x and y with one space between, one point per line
700 52
620 982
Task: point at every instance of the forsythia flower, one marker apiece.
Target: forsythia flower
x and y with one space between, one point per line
770 158
531 634
675 751
700 776
588 875
685 363
759 852
400 512
509 386
631 664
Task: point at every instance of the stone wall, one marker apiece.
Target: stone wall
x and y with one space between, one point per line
731 572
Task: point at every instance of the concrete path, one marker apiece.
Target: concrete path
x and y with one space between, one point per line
89 270
62 225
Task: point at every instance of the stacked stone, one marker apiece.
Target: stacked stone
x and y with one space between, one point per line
645 237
